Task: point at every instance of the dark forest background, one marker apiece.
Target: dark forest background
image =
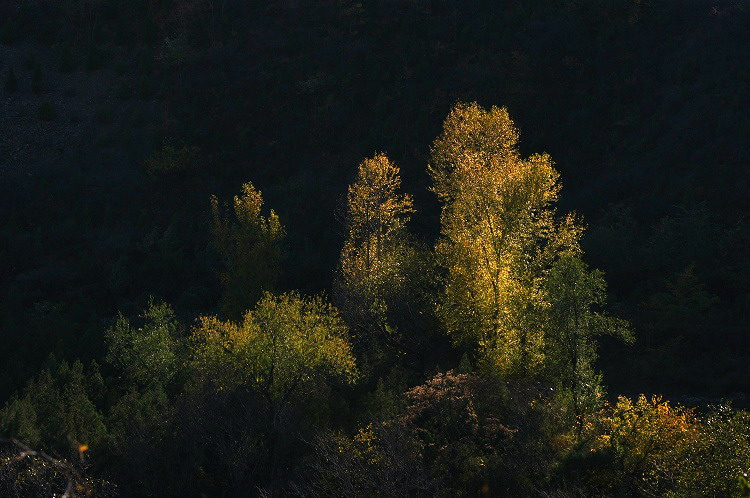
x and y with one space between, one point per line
121 119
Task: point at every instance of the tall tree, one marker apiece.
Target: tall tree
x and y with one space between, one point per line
377 253
376 219
250 246
280 360
574 293
500 235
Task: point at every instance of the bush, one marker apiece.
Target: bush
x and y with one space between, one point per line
459 435
719 461
650 440
649 447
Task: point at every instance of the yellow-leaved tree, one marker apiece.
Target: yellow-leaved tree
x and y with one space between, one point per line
250 247
268 380
500 237
376 218
377 253
283 344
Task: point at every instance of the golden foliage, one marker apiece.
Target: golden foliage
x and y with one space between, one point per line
499 235
250 247
282 343
650 439
247 210
376 219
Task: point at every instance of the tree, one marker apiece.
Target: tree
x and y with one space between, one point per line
374 263
684 308
275 368
141 425
376 236
500 235
149 353
57 410
285 342
170 160
572 291
250 246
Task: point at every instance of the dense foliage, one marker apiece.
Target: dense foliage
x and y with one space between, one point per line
467 338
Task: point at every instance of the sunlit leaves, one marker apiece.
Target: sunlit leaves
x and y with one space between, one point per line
375 247
470 132
650 439
281 344
499 236
374 204
250 246
385 278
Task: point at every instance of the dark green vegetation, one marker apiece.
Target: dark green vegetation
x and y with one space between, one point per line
146 109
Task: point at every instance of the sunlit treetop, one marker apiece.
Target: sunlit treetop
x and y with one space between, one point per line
471 137
247 215
500 235
250 246
377 214
285 341
374 203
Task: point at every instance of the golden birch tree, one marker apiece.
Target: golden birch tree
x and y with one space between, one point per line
499 236
375 252
250 247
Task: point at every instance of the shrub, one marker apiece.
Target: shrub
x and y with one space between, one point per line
718 463
650 439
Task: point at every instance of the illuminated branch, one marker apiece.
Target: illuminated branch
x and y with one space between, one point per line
75 481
